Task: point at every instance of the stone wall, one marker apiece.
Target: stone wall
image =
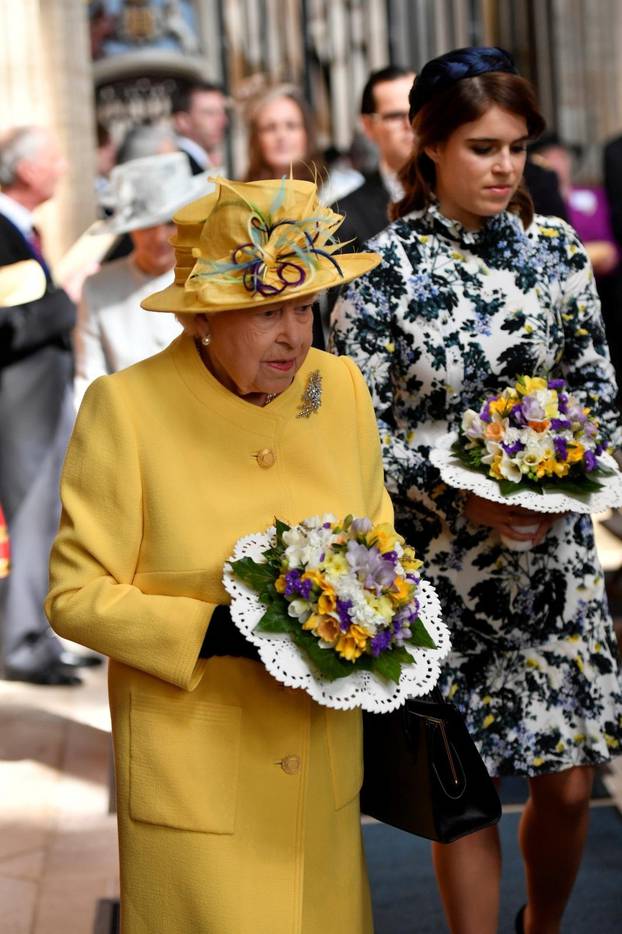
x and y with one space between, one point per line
45 78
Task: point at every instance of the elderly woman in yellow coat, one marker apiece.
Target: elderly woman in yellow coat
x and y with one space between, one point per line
237 798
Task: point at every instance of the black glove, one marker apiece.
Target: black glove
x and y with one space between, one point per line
224 638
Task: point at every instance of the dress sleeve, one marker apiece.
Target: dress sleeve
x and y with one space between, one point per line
362 328
92 599
89 352
380 507
586 364
26 328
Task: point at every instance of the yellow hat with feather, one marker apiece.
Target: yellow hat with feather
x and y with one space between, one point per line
256 243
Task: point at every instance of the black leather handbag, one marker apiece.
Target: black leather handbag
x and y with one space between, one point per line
423 773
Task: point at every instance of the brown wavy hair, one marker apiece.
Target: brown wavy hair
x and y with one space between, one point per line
311 166
464 101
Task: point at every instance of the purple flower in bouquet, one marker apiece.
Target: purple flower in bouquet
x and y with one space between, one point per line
485 412
575 413
560 424
401 626
518 416
294 586
381 641
589 459
512 449
533 410
556 384
375 573
343 611
391 557
292 582
361 526
561 448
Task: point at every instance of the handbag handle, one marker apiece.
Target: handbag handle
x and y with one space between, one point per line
435 698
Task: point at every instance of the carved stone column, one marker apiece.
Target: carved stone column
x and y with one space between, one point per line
45 75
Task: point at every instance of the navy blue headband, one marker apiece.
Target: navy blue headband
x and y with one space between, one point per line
441 72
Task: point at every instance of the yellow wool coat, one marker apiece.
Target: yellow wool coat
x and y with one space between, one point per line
237 798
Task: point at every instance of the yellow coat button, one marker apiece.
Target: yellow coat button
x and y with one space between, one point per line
290 764
265 458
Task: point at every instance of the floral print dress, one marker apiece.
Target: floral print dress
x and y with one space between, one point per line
450 315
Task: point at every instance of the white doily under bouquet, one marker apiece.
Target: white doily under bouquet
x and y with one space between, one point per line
339 609
532 445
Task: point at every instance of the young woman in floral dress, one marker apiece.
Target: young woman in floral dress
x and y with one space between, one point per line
472 292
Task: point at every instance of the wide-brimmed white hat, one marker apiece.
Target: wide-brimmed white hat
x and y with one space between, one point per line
147 192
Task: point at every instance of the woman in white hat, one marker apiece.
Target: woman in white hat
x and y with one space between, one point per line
113 331
237 798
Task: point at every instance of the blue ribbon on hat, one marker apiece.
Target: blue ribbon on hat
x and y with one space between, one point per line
442 72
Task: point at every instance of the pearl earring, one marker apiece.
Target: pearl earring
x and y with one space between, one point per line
206 340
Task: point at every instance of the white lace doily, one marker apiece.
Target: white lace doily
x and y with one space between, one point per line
289 665
459 477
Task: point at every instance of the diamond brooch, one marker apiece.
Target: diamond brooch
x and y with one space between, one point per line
312 396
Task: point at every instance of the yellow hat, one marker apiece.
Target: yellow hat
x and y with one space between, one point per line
21 282
255 243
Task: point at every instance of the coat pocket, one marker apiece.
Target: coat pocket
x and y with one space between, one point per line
345 748
184 764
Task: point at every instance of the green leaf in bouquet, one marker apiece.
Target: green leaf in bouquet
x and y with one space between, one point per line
269 594
389 664
327 662
280 527
274 558
578 487
253 573
508 487
420 636
277 619
471 458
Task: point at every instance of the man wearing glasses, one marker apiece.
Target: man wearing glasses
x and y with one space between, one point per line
200 117
384 118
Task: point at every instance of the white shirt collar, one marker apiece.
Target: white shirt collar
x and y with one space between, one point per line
17 214
193 149
391 182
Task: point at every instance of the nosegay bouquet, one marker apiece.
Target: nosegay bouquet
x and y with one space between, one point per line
534 434
348 596
346 592
533 445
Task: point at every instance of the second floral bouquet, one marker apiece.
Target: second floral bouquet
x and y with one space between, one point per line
349 598
535 446
534 434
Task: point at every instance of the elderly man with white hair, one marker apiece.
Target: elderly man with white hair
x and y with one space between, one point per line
36 368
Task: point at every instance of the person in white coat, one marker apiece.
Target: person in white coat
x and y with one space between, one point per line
113 331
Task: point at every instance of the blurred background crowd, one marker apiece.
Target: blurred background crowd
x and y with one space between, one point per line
115 113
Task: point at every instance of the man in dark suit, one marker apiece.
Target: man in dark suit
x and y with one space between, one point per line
543 186
384 118
199 112
613 183
36 413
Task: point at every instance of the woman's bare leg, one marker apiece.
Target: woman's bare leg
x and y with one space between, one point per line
468 873
552 834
